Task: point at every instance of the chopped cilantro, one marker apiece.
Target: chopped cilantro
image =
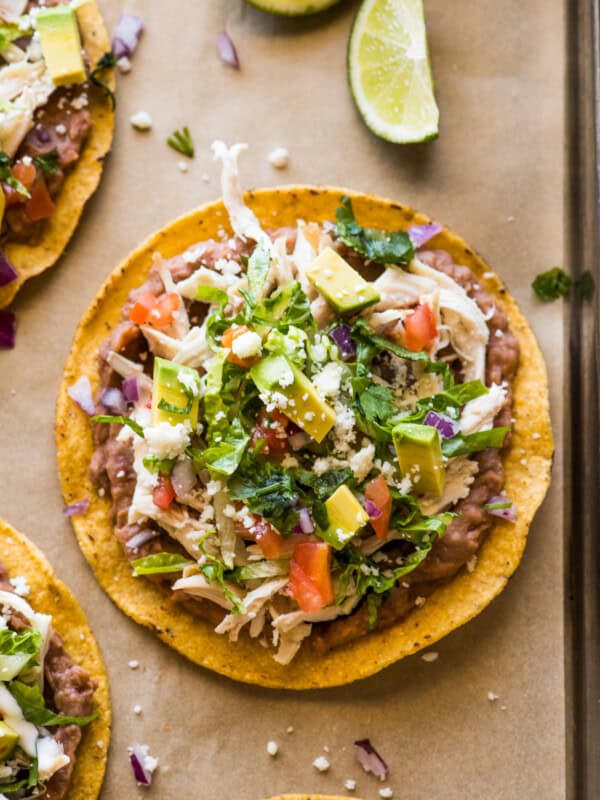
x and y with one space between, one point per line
182 142
47 162
107 61
385 247
119 420
7 176
551 285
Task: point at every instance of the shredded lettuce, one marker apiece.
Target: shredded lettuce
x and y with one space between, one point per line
224 456
159 563
215 571
118 420
473 442
33 707
260 569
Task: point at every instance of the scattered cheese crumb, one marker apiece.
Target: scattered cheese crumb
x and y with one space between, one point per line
20 586
100 744
167 441
492 696
137 710
124 65
279 158
420 601
471 563
536 435
205 178
430 656
350 785
183 166
272 748
247 345
321 763
290 729
134 664
61 129
141 121
386 792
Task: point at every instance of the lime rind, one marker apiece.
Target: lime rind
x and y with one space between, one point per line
293 8
389 71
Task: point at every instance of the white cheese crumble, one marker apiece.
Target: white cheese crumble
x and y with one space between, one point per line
492 697
430 656
20 585
141 121
350 785
137 710
133 664
124 65
272 748
327 382
61 129
361 462
321 763
183 166
167 441
386 792
279 158
213 488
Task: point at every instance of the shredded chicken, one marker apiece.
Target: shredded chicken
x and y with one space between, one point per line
254 602
243 221
460 474
479 414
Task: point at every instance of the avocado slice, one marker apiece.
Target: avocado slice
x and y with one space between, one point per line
175 393
8 741
346 517
419 451
61 44
340 284
275 373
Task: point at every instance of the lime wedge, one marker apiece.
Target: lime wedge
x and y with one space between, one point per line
389 71
292 8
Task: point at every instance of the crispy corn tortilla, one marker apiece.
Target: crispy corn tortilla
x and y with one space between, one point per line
80 182
49 595
310 797
450 605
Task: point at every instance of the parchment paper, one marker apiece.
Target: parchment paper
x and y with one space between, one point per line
496 175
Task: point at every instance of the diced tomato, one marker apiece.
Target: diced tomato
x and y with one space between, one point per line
310 576
163 493
377 491
420 328
227 340
155 311
40 204
25 172
142 307
271 426
264 534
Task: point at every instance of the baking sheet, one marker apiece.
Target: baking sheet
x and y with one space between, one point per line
497 176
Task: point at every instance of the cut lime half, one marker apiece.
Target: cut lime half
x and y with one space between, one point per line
293 8
389 71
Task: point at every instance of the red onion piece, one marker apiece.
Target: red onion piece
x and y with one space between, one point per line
137 757
112 398
8 330
341 336
421 234
299 440
8 274
138 539
372 509
131 390
446 426
305 522
127 35
80 507
226 50
369 759
509 513
183 478
81 393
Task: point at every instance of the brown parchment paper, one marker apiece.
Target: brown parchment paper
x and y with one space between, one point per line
496 176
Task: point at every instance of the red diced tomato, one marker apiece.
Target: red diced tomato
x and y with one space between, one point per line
271 426
377 491
264 534
155 311
420 328
39 205
163 494
227 340
142 307
310 576
26 173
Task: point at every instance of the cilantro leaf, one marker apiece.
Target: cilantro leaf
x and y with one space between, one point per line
47 162
226 451
159 563
551 285
34 709
324 485
385 247
7 176
119 420
267 490
182 142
